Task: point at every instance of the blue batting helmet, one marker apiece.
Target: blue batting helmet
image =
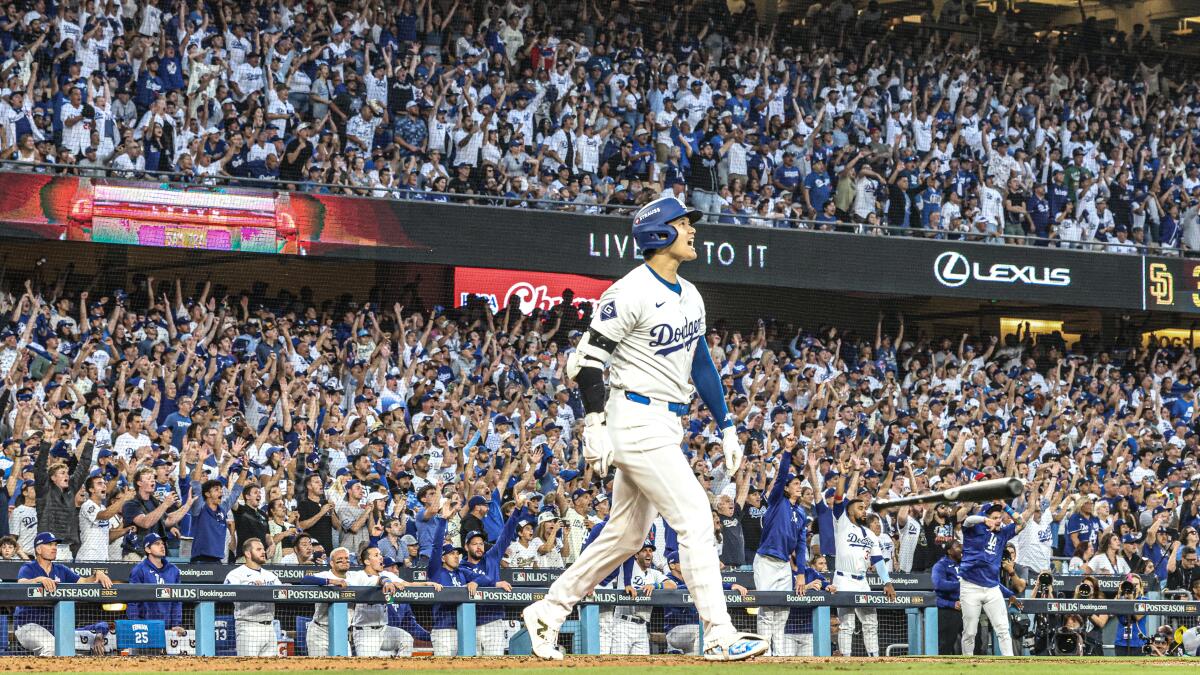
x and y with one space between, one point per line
652 227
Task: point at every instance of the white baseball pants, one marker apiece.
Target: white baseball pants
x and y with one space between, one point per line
630 638
445 641
608 616
367 640
256 639
771 574
652 477
491 639
317 640
396 642
798 644
975 598
685 638
849 616
36 639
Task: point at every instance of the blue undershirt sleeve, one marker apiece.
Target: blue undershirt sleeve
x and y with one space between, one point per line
708 384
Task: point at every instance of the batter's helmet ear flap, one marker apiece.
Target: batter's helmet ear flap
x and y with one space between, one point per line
652 228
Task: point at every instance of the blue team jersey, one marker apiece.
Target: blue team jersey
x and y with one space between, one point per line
982 550
42 616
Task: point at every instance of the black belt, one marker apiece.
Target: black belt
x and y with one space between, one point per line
366 627
264 623
632 618
856 577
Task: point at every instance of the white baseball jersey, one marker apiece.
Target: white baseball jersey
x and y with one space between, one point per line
93 533
640 578
1035 543
321 610
261 612
856 545
887 546
910 536
374 614
656 330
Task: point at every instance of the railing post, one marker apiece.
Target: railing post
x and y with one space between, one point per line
339 633
931 631
465 616
206 629
912 618
822 633
64 628
589 628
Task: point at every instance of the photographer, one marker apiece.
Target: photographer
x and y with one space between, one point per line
1131 629
1015 582
1043 624
1092 627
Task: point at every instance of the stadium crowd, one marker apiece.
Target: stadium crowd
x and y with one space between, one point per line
213 421
829 120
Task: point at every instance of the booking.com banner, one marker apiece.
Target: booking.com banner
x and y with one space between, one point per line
530 291
297 223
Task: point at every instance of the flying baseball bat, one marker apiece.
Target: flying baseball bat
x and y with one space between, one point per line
1000 488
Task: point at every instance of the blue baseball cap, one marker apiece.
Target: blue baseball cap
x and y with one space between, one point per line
151 538
673 558
45 538
388 562
447 549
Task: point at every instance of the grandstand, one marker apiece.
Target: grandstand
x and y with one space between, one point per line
308 275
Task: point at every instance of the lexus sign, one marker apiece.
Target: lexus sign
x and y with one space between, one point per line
952 269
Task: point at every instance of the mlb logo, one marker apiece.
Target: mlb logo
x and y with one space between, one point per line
862 599
1052 606
162 593
1140 608
518 576
281 594
37 592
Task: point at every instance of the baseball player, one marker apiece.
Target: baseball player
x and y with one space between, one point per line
646 329
254 621
401 618
682 624
370 633
445 568
35 625
156 569
984 537
781 547
492 631
318 628
630 631
611 581
798 631
857 550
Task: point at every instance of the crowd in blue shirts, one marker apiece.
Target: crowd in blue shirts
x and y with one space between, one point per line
824 120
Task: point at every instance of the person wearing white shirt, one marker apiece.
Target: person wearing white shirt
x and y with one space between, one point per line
360 130
95 520
1108 560
318 629
255 621
132 440
631 627
248 78
75 124
370 633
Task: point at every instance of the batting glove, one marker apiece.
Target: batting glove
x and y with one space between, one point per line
598 446
733 450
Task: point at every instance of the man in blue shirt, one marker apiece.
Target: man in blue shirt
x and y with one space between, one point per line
156 569
491 633
946 585
781 546
984 538
446 569
35 625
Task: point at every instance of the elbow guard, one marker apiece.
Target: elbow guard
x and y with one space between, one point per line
593 351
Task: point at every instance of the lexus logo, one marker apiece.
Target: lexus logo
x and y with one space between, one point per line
952 269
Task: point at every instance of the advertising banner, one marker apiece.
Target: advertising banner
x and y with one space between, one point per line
531 290
585 246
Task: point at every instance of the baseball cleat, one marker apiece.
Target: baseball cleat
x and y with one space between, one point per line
739 647
542 637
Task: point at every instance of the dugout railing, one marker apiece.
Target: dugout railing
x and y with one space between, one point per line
207 616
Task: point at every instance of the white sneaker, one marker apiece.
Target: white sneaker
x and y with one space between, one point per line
738 647
542 636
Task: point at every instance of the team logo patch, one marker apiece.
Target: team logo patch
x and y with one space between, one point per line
608 310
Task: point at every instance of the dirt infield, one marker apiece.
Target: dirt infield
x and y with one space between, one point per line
924 665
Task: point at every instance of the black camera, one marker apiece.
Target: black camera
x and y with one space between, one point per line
1045 579
1083 591
1126 588
1068 642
